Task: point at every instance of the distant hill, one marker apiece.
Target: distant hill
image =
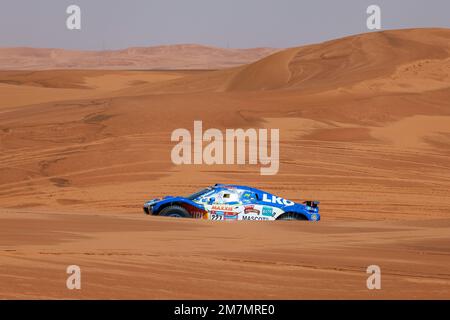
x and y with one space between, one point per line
170 57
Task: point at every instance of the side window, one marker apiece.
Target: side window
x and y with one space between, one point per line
228 197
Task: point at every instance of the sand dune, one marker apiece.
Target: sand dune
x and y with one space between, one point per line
353 60
391 61
19 88
183 56
364 128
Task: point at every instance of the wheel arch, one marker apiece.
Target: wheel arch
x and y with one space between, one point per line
299 215
168 204
189 206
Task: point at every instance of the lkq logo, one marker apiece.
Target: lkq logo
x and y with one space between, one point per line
220 147
276 200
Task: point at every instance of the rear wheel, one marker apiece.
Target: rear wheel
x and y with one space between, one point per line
175 212
292 216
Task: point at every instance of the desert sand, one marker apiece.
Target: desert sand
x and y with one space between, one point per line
364 128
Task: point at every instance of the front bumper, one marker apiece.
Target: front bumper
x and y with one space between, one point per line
148 209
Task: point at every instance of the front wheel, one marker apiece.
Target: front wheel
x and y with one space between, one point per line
175 212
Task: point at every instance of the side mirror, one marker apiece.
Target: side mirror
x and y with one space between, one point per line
211 200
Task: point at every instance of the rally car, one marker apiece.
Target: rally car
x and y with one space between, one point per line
233 202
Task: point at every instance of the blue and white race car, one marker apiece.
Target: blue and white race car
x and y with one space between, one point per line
233 202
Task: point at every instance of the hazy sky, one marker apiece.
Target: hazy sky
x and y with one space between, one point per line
114 24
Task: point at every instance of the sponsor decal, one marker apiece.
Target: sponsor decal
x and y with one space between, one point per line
254 218
277 200
222 208
230 216
251 209
267 211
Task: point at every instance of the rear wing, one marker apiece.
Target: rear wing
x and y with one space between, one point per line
311 203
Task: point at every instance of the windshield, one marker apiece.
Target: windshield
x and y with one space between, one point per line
199 193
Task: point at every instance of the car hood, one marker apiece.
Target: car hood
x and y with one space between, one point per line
156 200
